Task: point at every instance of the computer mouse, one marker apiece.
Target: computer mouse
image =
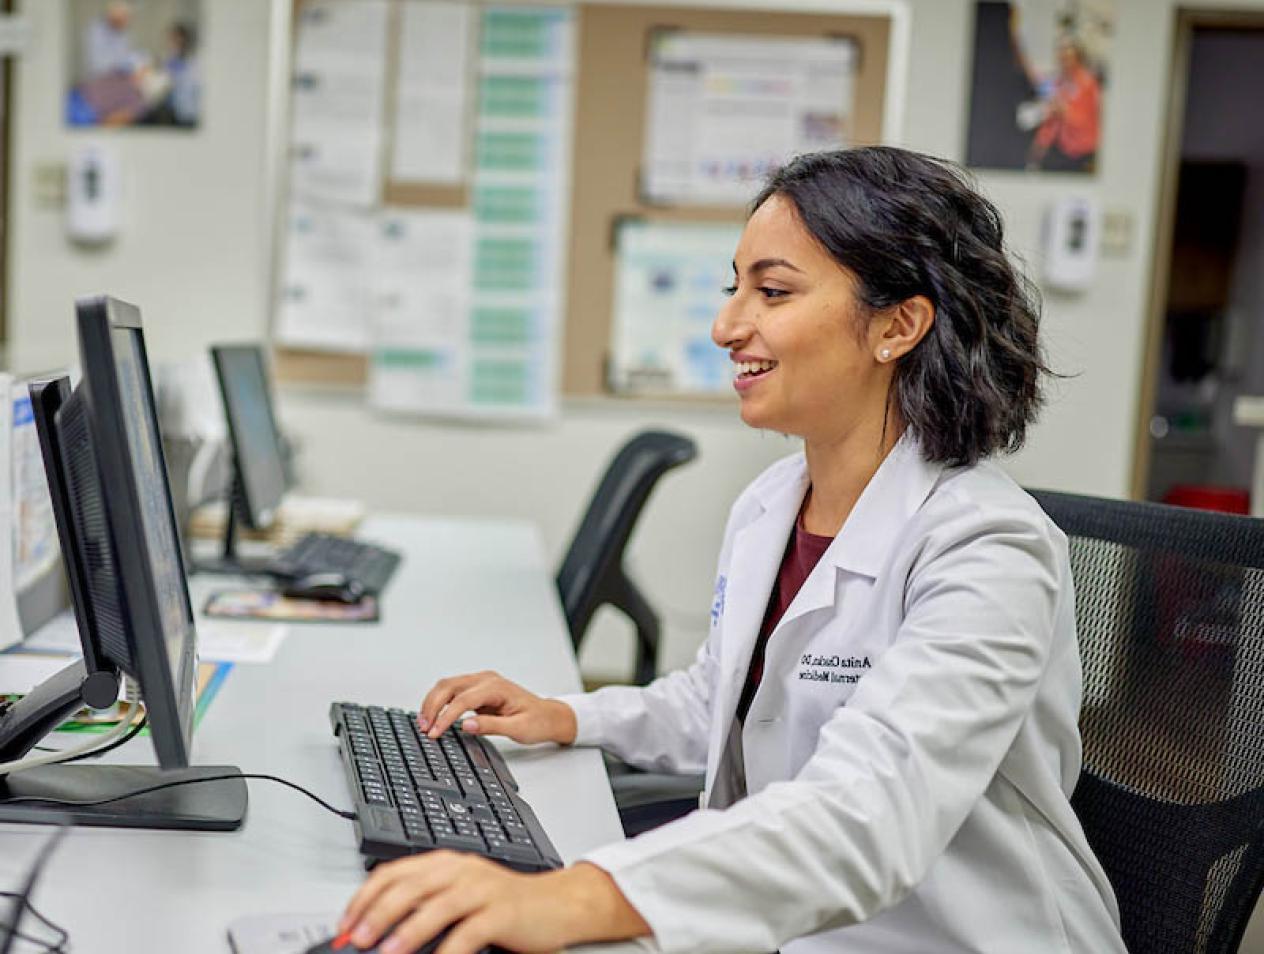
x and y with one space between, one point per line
327 947
325 586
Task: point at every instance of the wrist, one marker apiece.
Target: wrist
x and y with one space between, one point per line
564 723
598 910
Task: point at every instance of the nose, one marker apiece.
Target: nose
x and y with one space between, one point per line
730 328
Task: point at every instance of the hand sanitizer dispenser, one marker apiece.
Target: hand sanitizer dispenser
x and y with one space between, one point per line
93 197
1072 236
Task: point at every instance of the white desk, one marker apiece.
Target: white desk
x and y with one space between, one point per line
468 595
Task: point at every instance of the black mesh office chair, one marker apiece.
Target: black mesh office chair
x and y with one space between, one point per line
592 573
1170 612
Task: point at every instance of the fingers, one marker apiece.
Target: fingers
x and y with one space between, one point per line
443 692
393 890
512 726
427 921
382 877
470 936
488 695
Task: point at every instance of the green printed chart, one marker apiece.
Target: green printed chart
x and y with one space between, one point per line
495 353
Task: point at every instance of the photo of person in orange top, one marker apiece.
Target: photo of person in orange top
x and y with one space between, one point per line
1038 84
1072 115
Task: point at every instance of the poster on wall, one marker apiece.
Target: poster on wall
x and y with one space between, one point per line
133 63
1041 70
724 111
669 281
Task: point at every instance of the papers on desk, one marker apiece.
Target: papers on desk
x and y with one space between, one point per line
239 642
280 933
234 642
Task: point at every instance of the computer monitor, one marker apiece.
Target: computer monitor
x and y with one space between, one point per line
259 470
112 504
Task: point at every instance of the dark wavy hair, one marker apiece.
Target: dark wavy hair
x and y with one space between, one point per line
906 224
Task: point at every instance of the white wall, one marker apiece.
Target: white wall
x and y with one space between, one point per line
194 249
195 256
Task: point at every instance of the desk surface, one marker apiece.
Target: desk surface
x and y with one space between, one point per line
468 595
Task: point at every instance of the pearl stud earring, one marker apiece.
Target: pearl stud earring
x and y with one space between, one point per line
885 354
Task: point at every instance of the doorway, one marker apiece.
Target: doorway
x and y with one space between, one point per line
1206 345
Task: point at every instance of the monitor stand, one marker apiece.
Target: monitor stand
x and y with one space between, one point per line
35 794
229 562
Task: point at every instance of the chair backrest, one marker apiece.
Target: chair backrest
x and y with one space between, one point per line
592 569
1170 614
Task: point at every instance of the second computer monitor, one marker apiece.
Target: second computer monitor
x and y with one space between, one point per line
252 429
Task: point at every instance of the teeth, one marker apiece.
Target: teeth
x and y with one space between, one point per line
754 367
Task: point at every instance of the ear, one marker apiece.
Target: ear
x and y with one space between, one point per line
906 324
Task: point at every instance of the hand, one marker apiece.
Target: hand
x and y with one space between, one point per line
484 904
502 708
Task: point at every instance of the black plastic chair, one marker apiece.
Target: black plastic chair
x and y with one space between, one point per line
592 573
1170 613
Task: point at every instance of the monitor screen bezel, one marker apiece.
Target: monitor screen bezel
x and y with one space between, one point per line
169 702
259 514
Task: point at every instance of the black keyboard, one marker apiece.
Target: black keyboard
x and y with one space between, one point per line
414 793
316 553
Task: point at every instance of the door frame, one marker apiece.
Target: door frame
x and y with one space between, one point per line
1187 21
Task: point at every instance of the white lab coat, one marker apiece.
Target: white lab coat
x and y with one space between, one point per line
911 749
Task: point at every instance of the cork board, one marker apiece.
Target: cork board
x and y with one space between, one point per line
610 100
613 44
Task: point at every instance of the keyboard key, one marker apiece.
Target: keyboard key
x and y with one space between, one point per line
523 854
460 842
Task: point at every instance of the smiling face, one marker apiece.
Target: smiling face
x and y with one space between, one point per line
804 362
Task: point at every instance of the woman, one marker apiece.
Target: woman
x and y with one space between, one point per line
886 703
1067 139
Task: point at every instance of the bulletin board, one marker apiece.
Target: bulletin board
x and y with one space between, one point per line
610 87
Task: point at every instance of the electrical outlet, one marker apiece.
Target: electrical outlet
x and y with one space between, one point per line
49 182
1116 238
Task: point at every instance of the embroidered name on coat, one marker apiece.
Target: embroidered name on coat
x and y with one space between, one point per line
848 669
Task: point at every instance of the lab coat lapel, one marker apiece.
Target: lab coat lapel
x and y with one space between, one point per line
753 563
862 549
894 493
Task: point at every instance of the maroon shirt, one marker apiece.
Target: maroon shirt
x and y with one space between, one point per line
803 552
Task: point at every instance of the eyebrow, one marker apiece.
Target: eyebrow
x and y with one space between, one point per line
766 263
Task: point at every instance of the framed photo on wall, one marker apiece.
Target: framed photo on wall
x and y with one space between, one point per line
1039 80
133 63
